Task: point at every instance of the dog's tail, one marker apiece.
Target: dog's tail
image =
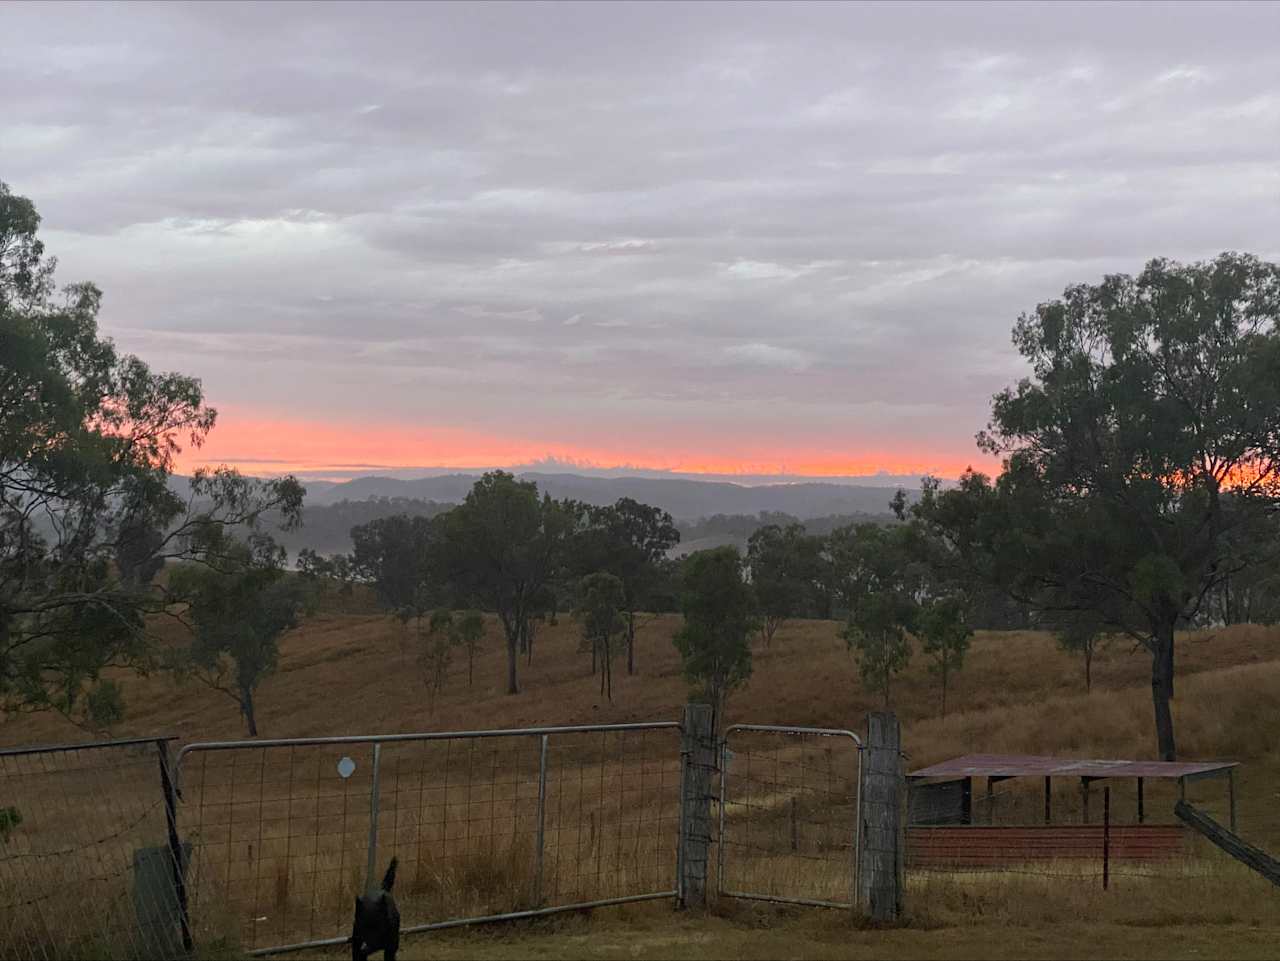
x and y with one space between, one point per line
389 879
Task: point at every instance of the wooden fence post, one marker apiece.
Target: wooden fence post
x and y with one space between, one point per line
883 789
698 757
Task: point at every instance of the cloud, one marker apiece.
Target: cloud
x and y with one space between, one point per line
601 221
768 355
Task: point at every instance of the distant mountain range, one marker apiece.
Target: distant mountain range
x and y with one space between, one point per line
683 499
332 508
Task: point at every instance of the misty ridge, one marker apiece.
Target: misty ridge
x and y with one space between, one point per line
707 513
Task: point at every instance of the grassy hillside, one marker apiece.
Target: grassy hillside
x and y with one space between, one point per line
349 673
357 674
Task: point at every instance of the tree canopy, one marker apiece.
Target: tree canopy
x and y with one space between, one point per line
599 609
1142 447
505 545
88 438
879 582
788 570
628 540
719 616
238 609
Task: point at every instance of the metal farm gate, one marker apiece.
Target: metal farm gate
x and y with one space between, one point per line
487 825
789 824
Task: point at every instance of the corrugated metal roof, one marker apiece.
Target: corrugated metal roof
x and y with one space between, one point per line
1030 765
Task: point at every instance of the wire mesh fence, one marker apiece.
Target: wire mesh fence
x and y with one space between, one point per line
484 824
788 814
85 863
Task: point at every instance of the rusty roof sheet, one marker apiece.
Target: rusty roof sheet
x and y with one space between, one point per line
1029 765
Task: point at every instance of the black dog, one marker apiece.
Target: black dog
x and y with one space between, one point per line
377 922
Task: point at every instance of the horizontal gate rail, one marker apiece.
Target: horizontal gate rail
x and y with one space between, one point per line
425 736
838 733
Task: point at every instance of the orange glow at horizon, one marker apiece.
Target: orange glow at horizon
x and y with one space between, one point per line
277 445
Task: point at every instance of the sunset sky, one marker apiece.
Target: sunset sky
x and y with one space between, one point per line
765 239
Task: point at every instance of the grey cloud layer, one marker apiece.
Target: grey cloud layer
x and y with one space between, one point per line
823 218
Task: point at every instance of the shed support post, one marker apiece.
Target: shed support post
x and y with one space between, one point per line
1048 800
880 876
966 801
1106 837
1141 812
1084 794
1231 796
991 801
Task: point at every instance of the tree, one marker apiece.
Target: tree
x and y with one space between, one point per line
88 438
879 583
1141 451
400 555
327 572
505 544
470 629
601 599
1081 633
435 651
238 609
1250 595
714 641
785 565
944 634
629 540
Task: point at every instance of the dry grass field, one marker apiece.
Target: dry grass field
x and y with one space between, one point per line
356 674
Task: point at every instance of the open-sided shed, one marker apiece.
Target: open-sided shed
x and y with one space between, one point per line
943 829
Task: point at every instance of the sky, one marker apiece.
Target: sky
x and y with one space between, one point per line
762 239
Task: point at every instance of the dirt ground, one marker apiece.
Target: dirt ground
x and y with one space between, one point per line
819 934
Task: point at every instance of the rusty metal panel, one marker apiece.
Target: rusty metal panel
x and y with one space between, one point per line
975 847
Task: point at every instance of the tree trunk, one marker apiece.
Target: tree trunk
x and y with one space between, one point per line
1088 666
595 653
1162 691
513 658
246 708
608 671
887 675
631 642
770 627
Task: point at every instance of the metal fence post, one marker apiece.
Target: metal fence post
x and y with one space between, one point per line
855 875
170 790
370 884
542 820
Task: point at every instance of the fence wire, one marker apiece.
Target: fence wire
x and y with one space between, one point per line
85 867
482 826
788 827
